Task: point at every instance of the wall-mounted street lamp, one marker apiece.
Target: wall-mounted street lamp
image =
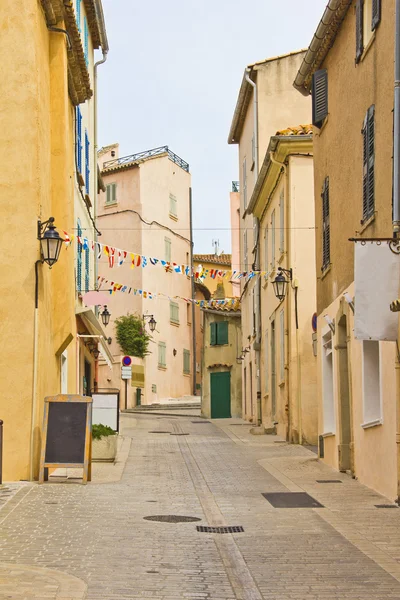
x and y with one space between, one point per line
105 316
331 323
96 353
280 285
50 241
152 322
349 300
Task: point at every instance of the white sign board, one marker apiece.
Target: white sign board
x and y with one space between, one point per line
105 410
126 372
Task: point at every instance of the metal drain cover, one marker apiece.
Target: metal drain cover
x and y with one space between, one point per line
230 529
328 481
180 434
159 432
386 506
200 422
292 500
171 519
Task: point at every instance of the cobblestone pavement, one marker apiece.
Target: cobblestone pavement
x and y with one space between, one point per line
69 541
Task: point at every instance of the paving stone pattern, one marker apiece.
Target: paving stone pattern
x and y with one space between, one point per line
96 535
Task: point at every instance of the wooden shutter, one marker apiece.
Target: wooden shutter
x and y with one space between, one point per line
79 261
186 361
79 139
213 333
368 132
222 333
78 14
87 270
86 40
319 97
376 13
326 235
359 29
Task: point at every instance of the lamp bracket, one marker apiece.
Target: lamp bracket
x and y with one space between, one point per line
41 227
288 272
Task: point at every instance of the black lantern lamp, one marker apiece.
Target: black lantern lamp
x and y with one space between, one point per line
105 316
152 322
96 353
50 242
280 283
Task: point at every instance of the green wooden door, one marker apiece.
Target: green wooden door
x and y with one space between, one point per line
220 395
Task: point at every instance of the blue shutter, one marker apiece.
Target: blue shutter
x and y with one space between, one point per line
86 40
87 269
87 170
78 14
79 139
79 261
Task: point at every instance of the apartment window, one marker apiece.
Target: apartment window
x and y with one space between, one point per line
219 333
173 206
266 253
186 362
111 193
329 419
162 354
87 163
86 40
282 344
78 138
273 239
266 361
319 97
245 252
326 229
79 260
371 375
368 132
167 246
189 314
87 269
244 186
368 16
174 312
282 223
78 14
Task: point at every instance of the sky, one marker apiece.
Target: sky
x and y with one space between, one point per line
172 78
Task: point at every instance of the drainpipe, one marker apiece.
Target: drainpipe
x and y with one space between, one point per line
396 140
256 226
35 369
193 292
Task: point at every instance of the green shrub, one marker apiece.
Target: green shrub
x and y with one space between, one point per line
99 431
132 336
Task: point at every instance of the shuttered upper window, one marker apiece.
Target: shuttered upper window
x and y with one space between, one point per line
162 354
86 40
79 260
173 206
219 333
87 163
79 139
186 362
368 16
326 231
368 133
87 270
111 191
376 13
174 312
319 97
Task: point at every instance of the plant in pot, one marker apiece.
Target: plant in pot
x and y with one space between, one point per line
104 443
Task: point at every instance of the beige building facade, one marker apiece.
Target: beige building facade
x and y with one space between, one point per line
347 70
145 210
267 102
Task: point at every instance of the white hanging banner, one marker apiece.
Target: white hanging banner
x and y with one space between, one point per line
377 278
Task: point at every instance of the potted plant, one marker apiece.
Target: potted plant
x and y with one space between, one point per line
104 444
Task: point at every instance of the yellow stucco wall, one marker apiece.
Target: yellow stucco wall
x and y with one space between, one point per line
211 283
36 181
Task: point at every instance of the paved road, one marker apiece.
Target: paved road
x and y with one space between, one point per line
71 541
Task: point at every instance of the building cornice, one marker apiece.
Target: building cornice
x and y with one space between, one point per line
281 147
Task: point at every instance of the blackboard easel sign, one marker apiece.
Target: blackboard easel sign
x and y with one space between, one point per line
66 434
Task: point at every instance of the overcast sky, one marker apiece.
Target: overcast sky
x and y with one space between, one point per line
172 78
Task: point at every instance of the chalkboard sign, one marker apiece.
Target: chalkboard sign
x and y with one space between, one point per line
66 435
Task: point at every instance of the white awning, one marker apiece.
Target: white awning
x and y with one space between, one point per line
94 326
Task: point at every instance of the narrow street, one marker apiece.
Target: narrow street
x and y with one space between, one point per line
65 540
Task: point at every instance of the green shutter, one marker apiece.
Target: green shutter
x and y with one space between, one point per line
222 333
213 333
186 362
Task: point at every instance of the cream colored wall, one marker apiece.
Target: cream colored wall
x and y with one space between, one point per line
375 447
36 155
279 106
226 355
234 198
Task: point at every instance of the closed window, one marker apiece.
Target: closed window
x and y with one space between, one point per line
79 260
162 354
244 185
111 193
371 373
273 238
78 14
167 245
189 314
368 16
282 341
245 252
266 361
86 40
87 162
319 97
219 335
87 270
186 362
281 223
173 206
174 312
329 419
326 229
78 142
368 133
266 253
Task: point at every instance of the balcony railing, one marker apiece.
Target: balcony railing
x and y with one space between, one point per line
125 160
235 186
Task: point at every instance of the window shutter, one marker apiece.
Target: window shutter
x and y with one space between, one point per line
359 29
186 361
78 14
244 185
213 333
79 138
326 241
87 270
87 170
319 97
86 40
222 333
368 132
79 261
376 13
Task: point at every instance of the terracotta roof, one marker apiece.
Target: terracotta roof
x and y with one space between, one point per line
227 308
93 22
277 57
221 259
105 149
299 130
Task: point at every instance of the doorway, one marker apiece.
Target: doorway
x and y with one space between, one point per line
220 384
87 378
138 396
245 391
273 373
251 390
345 459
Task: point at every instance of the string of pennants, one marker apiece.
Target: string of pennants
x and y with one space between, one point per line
117 257
120 287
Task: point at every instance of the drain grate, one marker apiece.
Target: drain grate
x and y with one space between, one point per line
386 506
180 434
200 422
329 481
292 500
160 432
230 529
171 519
